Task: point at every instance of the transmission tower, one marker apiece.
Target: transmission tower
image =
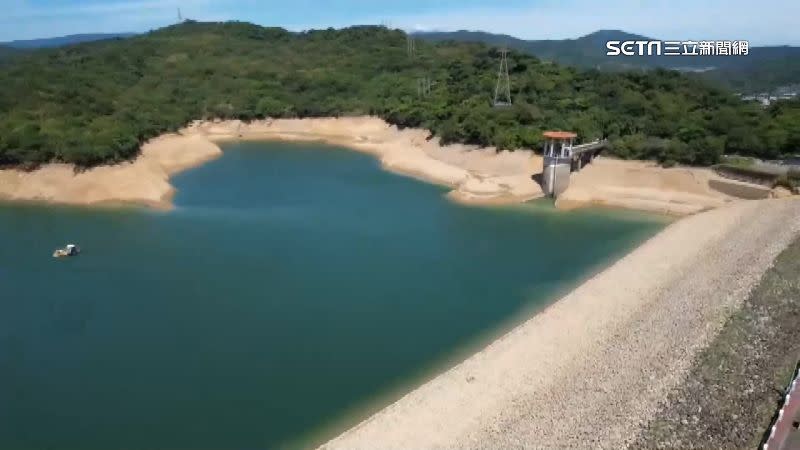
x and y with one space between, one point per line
502 92
424 86
411 46
180 16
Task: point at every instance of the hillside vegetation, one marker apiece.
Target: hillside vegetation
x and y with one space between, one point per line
764 68
7 52
63 40
96 102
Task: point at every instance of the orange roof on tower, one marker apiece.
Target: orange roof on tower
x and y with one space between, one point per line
560 134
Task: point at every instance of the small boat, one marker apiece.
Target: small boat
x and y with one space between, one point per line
69 250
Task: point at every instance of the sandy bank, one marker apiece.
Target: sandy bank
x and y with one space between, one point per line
645 186
476 175
143 181
591 369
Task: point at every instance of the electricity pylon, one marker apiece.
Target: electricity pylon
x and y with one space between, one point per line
411 46
424 86
502 91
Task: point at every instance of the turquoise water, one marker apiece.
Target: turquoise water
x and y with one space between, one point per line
287 291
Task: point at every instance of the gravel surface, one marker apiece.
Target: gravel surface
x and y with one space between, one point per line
593 368
736 383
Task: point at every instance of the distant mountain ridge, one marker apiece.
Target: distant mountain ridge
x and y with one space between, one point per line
61 41
585 51
762 68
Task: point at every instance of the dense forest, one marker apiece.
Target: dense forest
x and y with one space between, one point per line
96 102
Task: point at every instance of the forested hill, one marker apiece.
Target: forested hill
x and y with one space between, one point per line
63 40
763 69
96 102
7 52
15 48
586 51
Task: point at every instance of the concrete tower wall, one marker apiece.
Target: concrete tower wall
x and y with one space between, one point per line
555 177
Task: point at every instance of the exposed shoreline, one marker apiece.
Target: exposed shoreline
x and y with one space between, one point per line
592 369
144 181
475 175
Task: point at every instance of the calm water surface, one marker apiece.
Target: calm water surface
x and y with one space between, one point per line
289 288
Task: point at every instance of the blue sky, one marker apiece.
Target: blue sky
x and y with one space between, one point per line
766 22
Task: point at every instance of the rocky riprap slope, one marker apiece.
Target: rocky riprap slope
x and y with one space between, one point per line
737 382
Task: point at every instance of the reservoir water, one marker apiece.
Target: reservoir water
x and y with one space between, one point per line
293 289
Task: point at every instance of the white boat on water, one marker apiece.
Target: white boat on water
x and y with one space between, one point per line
69 250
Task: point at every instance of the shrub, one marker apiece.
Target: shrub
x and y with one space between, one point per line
738 161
